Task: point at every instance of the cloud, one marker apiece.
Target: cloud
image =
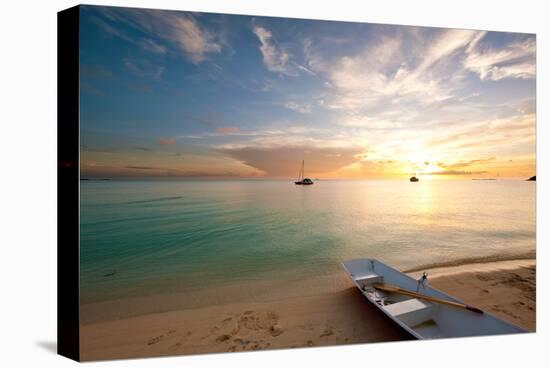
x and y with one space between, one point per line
464 164
284 161
489 135
301 108
515 60
179 29
275 57
144 68
305 69
314 61
371 123
167 141
146 44
457 173
520 71
389 72
186 32
227 130
446 44
152 46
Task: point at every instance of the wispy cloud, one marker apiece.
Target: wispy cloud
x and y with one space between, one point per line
195 41
301 108
152 46
144 68
383 73
275 57
146 44
227 130
515 60
457 173
167 141
179 29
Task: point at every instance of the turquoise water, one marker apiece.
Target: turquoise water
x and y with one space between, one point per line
161 236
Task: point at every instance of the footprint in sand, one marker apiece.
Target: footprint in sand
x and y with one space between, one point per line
241 341
175 346
329 329
248 323
155 340
223 338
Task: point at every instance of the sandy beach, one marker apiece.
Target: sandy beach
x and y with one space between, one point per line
504 288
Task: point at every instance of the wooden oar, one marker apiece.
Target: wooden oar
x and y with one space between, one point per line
394 289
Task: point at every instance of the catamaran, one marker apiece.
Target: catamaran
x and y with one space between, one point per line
422 311
301 179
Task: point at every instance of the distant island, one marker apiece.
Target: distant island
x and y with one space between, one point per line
534 178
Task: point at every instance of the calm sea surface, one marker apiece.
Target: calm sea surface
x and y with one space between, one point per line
157 237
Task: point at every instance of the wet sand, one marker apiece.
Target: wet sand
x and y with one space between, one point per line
343 316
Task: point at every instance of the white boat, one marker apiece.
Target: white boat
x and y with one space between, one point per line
422 311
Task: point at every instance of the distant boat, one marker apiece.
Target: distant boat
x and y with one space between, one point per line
413 179
422 311
534 178
301 179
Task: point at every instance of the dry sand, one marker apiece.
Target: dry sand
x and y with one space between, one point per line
505 288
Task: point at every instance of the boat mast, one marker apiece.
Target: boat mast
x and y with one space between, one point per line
302 176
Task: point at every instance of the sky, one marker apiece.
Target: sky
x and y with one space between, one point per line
197 95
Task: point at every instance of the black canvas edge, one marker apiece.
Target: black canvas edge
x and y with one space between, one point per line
68 184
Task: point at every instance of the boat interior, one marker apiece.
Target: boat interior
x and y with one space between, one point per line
419 316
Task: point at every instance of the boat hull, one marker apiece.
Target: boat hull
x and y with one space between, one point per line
420 318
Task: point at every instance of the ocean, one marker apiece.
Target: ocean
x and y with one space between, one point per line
141 238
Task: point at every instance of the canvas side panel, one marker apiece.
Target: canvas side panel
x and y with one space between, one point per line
68 183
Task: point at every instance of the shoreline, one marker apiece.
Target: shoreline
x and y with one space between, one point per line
272 291
334 316
501 265
529 255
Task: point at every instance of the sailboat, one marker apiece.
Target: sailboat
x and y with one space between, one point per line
301 179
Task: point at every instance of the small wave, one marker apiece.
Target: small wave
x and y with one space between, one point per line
154 200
